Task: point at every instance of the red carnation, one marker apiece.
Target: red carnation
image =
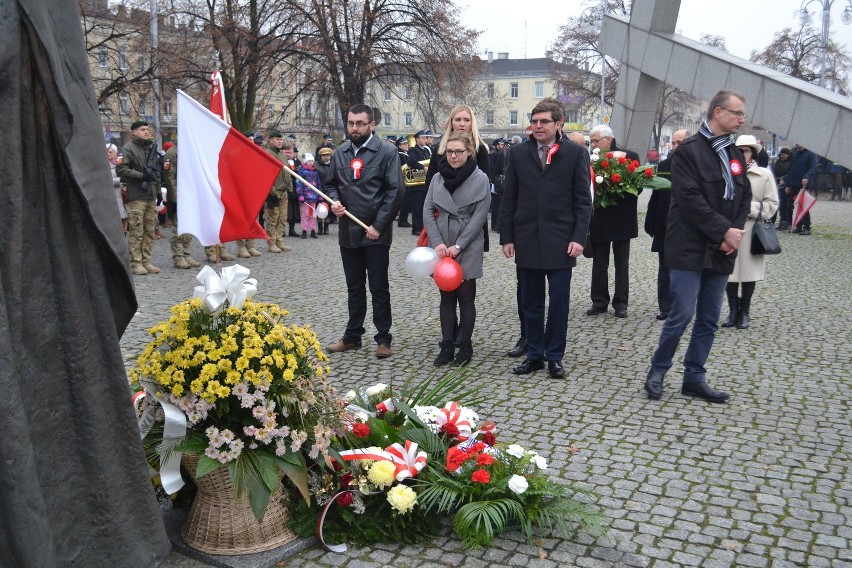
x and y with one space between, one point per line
631 168
344 499
635 163
609 154
605 164
616 178
346 479
489 438
649 172
622 160
455 458
450 429
476 448
484 459
336 465
361 430
481 476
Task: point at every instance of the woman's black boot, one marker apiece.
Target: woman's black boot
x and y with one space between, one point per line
464 355
733 313
446 354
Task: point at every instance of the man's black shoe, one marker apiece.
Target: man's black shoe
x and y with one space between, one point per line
797 230
528 366
520 348
555 369
805 232
662 315
596 310
415 232
404 224
654 384
704 391
621 312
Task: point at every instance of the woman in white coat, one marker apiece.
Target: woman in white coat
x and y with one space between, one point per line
749 268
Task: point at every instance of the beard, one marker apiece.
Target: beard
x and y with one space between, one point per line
357 138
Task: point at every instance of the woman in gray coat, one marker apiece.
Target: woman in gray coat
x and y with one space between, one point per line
454 213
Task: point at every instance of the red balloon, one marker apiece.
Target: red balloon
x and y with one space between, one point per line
448 274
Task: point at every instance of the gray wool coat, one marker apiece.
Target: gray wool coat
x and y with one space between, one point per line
461 217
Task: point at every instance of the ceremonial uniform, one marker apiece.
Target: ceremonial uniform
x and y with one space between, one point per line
141 208
276 203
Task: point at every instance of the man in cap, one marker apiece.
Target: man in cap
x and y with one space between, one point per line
276 203
422 151
139 169
326 172
405 209
327 142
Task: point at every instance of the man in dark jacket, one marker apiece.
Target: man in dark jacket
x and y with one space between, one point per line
544 218
612 228
655 225
780 169
405 208
367 183
801 177
422 151
139 169
325 171
711 198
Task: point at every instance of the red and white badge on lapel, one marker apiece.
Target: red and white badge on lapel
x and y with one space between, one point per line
550 153
736 167
357 164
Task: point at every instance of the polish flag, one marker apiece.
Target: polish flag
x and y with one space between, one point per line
218 106
223 179
803 203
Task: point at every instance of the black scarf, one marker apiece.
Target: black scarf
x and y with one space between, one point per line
453 178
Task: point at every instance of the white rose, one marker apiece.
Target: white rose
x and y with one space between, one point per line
350 396
516 451
598 179
539 462
377 388
518 484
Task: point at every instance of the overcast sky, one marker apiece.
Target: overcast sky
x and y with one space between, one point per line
525 28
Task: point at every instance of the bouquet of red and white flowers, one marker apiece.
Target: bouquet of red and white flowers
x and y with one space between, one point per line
617 176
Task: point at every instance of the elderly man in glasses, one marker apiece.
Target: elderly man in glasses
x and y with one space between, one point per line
368 183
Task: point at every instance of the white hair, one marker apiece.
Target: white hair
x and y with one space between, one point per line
516 140
112 147
602 130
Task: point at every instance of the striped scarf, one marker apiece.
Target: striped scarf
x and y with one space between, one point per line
720 145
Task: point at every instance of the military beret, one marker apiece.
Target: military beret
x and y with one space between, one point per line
276 134
138 124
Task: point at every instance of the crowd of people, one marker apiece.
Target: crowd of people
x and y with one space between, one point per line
537 192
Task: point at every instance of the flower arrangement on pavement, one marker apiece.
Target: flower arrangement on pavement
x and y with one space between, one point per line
237 386
617 176
415 457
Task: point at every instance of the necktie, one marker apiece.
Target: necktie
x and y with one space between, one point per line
543 157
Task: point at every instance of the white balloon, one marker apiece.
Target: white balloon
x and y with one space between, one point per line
322 211
421 262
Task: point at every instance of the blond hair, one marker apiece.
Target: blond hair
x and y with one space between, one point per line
476 140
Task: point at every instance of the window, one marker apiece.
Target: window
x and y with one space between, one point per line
386 119
407 92
489 91
513 90
143 107
271 116
386 94
102 56
513 117
141 64
409 119
539 89
124 103
167 106
489 117
122 57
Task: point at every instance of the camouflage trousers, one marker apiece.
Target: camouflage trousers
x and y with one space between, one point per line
179 243
276 222
141 221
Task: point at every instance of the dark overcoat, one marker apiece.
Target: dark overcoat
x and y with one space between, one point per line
374 197
619 222
699 216
657 217
546 208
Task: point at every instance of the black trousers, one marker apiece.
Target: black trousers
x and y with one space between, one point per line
405 208
495 212
600 273
359 265
546 339
663 286
418 197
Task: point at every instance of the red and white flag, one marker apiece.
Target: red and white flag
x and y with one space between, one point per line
224 178
803 203
218 106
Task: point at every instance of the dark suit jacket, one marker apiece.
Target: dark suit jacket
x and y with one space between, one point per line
699 215
658 210
619 222
545 208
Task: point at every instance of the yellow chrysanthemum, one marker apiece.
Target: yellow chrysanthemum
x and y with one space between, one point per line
381 474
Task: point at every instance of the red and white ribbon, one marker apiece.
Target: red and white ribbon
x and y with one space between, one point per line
407 461
550 153
357 165
451 414
332 547
386 405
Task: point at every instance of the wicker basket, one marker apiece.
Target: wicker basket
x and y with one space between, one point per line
219 523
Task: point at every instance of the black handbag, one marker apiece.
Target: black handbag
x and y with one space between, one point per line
764 239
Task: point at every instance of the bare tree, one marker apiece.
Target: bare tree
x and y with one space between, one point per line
797 52
353 42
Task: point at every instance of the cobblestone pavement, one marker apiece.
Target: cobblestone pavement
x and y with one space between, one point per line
764 480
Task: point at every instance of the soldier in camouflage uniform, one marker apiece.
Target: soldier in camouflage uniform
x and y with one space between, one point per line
179 243
142 187
276 203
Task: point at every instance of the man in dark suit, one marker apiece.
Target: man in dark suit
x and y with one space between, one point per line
544 218
711 198
612 227
655 225
417 193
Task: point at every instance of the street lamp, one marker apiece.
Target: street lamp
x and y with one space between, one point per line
845 17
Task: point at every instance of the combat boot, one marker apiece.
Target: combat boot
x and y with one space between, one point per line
272 247
280 244
180 262
191 261
151 268
225 255
243 252
212 254
139 270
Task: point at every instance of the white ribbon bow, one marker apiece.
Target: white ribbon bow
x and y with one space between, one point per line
233 285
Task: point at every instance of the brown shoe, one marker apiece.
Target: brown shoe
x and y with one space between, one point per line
151 268
139 270
383 351
340 347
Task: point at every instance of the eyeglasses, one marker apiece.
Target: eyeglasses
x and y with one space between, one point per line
596 140
738 113
456 152
542 122
358 124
